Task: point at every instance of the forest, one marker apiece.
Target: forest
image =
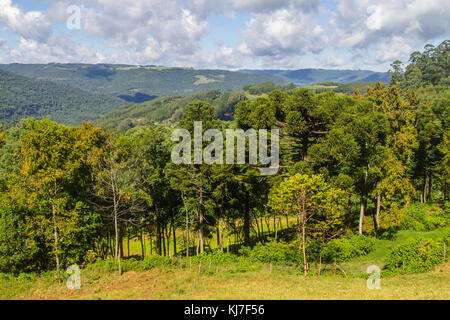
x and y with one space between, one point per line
354 169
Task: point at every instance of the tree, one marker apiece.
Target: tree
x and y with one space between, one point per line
56 165
114 193
198 187
314 201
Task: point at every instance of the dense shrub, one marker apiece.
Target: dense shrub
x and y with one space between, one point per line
344 249
215 257
154 261
271 252
418 255
424 217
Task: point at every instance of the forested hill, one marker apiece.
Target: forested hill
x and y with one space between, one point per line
172 107
306 77
140 83
23 97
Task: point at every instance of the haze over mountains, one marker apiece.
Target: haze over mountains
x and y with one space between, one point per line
305 77
72 93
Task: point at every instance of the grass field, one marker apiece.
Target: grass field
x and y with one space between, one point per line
181 279
173 283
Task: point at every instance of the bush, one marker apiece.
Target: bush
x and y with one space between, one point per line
418 255
154 261
424 217
215 257
271 252
344 249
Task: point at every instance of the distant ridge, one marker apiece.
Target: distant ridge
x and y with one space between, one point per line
305 77
138 83
23 97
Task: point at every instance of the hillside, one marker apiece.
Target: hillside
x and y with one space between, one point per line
139 83
167 107
22 97
172 106
305 77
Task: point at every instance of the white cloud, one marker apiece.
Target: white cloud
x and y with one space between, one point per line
31 25
278 33
334 60
282 34
395 48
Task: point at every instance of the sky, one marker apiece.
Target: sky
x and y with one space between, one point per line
226 34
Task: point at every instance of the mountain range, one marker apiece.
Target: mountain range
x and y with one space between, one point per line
72 93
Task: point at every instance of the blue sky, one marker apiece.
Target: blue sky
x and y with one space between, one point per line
226 34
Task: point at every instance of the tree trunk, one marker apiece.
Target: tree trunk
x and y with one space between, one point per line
174 238
128 244
200 217
275 227
305 263
377 214
362 213
247 219
55 235
116 229
142 244
303 226
158 239
221 235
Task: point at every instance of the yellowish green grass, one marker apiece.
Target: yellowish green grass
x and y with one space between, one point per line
174 283
203 80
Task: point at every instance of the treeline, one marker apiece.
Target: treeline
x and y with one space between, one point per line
430 67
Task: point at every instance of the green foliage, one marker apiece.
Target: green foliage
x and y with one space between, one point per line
346 248
215 257
22 97
424 217
428 67
272 251
417 255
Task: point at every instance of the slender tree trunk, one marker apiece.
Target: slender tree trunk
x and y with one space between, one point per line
116 229
174 238
128 244
262 229
303 222
163 240
158 239
121 242
200 216
275 227
377 214
55 235
221 235
257 226
362 214
247 219
142 243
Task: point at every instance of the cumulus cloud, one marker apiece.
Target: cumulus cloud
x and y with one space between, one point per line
335 60
376 21
31 24
282 34
277 33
